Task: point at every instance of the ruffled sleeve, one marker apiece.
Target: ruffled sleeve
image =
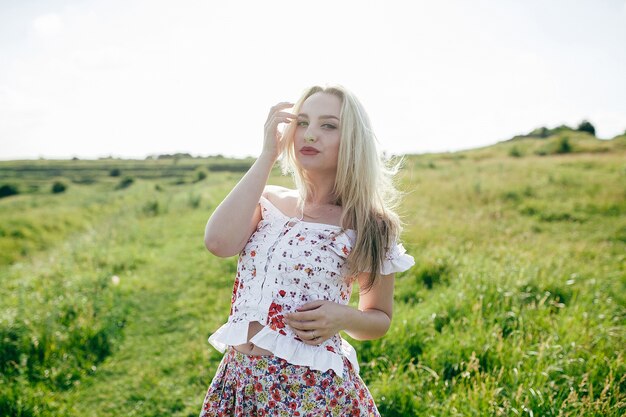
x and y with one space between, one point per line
396 260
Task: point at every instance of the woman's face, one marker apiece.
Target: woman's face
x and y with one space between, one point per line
318 121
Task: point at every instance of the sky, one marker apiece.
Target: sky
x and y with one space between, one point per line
132 78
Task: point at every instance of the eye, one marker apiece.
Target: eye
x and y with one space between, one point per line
303 123
329 126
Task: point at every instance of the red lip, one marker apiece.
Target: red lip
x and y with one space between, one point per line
308 149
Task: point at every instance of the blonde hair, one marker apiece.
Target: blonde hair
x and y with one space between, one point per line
363 186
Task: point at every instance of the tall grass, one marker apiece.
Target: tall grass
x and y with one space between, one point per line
516 305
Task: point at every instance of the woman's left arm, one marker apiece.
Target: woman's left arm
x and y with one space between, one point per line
373 317
326 318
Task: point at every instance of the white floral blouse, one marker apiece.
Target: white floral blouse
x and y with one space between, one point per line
286 263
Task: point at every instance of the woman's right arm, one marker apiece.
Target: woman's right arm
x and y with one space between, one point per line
234 220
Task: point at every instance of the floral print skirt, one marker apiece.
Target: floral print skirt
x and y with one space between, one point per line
266 385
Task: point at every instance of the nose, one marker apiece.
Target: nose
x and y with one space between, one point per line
309 136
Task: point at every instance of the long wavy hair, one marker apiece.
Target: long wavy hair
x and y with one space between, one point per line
364 185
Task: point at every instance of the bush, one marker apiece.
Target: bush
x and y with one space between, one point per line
555 146
115 172
8 190
543 132
200 175
586 126
564 145
194 200
125 183
58 187
515 152
152 208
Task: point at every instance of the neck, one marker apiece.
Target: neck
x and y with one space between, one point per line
320 192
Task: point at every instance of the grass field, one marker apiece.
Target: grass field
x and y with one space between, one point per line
516 305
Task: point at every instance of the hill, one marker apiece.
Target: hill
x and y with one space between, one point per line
544 142
516 304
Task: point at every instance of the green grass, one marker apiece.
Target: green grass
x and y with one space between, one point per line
516 304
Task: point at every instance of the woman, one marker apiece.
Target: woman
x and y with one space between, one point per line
300 252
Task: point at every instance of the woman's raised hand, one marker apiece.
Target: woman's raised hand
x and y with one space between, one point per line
272 143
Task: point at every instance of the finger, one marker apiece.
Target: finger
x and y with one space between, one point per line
302 325
303 316
308 342
275 120
305 337
315 336
311 305
281 105
278 120
282 119
285 114
318 341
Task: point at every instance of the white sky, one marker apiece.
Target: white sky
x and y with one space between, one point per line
130 78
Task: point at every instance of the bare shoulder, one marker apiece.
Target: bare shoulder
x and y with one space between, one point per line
281 197
273 192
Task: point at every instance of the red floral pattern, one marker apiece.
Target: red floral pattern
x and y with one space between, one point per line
275 320
252 385
285 264
233 297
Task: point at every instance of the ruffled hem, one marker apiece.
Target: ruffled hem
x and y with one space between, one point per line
229 334
284 347
401 261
